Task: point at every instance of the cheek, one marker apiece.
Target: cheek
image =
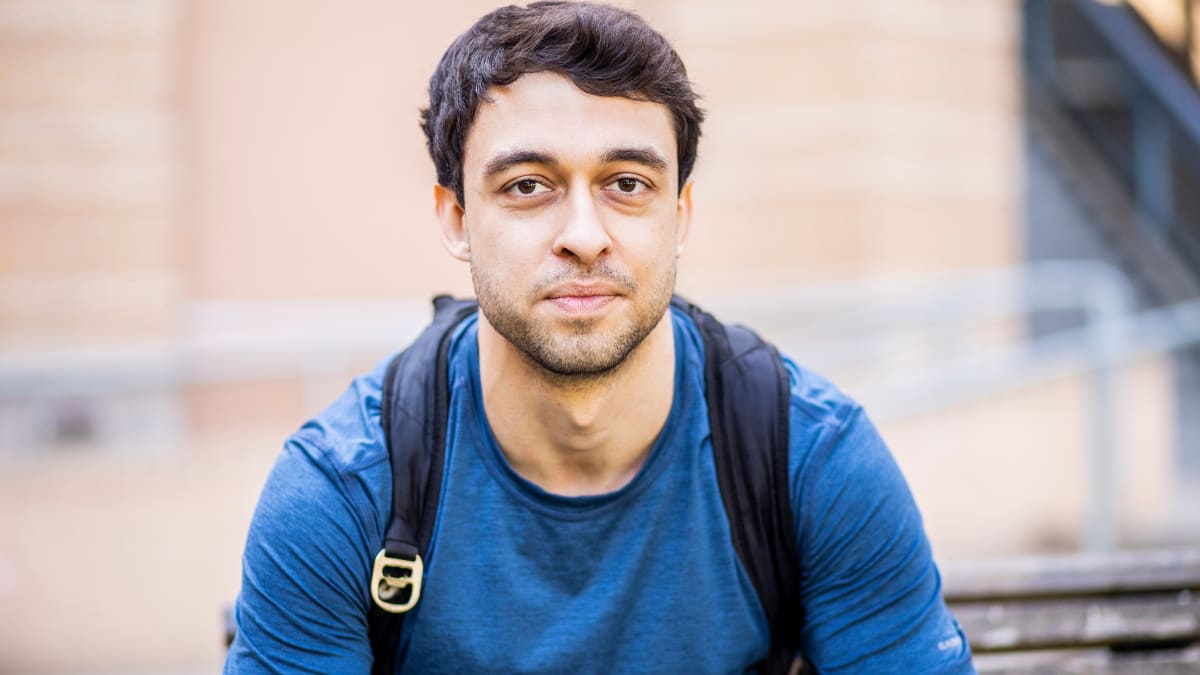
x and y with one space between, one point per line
651 240
507 255
650 250
497 238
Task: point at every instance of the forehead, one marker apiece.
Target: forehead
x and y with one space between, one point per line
548 113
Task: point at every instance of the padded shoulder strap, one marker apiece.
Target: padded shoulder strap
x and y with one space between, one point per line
414 408
748 407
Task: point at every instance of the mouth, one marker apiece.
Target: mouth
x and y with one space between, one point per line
582 298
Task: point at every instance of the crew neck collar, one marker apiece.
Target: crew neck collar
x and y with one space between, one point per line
529 492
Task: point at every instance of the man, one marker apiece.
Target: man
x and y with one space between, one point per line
580 525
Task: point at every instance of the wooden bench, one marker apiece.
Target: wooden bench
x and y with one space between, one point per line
1126 612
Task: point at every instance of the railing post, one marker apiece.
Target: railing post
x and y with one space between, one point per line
1107 317
1152 178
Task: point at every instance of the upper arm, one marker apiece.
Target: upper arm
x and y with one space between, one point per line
305 573
871 593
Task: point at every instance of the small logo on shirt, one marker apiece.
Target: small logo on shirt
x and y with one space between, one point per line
950 643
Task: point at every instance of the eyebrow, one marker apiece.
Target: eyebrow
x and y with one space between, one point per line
507 160
644 156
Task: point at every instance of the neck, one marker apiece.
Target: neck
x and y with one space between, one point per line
577 435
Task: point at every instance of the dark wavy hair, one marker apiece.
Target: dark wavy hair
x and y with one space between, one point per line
605 51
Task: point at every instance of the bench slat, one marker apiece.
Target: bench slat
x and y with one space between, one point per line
1073 575
1091 662
1146 620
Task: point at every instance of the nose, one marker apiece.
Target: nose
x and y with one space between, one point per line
582 235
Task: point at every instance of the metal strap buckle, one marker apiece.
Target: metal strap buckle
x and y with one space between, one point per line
384 588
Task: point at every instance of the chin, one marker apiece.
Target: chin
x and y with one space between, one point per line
576 346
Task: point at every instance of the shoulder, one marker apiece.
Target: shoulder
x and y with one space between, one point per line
839 468
347 435
818 408
335 467
828 430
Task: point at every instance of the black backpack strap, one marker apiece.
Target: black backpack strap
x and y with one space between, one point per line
414 408
748 407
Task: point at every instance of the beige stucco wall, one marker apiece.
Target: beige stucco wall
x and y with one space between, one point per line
87 170
840 138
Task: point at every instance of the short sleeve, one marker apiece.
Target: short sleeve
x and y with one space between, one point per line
871 593
305 572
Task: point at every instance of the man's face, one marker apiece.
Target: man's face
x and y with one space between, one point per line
573 220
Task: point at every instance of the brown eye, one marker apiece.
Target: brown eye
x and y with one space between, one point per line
527 187
628 185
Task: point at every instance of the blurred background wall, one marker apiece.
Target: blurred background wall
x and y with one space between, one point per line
212 214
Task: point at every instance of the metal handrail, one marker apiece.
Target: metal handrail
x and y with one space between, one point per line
1113 334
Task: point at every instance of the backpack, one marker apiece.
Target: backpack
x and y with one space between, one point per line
748 404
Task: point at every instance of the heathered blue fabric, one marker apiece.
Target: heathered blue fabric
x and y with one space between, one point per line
643 579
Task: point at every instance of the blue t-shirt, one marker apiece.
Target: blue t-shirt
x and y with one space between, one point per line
643 579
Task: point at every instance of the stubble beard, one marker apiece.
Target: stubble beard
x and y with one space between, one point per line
585 352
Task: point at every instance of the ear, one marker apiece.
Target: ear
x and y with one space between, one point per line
683 217
450 216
